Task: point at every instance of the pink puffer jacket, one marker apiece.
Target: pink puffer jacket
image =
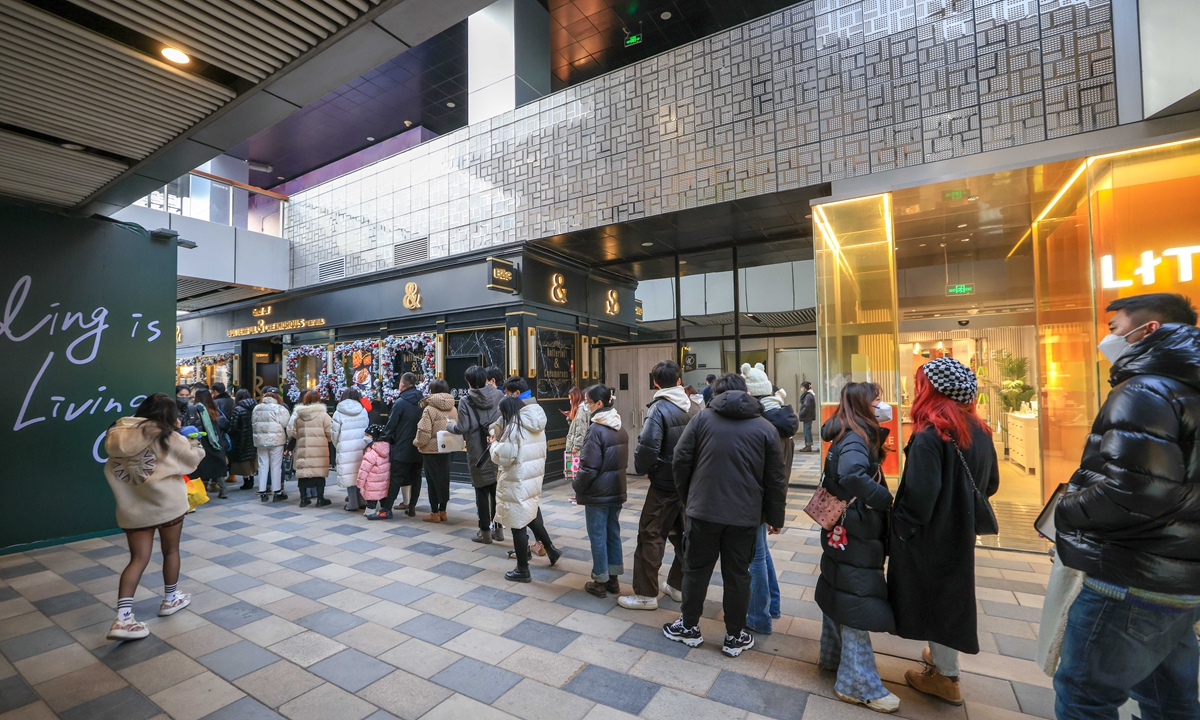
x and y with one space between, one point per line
375 470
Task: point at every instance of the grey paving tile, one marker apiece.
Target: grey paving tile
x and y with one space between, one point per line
491 597
648 637
377 566
234 583
1017 647
401 593
123 704
82 575
351 670
462 571
15 693
428 548
304 563
238 659
564 523
233 540
330 621
581 600
245 709
407 531
360 546
1011 585
432 629
541 573
289 527
575 553
236 615
282 514
98 554
295 543
1034 700
233 525
543 635
316 588
62 603
120 655
7 593
1011 611
233 559
479 681
347 529
628 694
799 608
233 512
758 696
34 643
381 715
29 568
795 578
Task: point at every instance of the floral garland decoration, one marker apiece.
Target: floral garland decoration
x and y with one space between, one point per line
337 374
222 359
293 360
187 362
424 345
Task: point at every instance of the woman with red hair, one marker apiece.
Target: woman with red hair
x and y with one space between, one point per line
931 571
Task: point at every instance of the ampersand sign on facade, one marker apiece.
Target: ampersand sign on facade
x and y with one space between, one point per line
611 306
412 296
558 293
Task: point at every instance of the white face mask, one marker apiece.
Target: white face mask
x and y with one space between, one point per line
1113 346
883 413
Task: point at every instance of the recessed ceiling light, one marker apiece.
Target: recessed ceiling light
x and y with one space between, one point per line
973 198
279 176
176 56
449 104
683 262
666 15
72 146
966 239
647 244
921 245
808 217
962 226
370 139
408 123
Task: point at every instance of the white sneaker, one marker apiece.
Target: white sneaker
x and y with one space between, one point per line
127 630
638 602
887 704
181 601
671 592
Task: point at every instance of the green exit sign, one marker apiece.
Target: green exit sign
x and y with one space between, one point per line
960 289
632 40
956 194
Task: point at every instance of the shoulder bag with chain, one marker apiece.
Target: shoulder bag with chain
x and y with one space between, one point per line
985 517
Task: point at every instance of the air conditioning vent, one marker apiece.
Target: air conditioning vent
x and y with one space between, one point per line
411 252
332 270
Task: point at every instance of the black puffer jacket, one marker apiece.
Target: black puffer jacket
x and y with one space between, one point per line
728 466
852 589
808 406
241 432
603 460
477 410
402 428
1132 517
660 434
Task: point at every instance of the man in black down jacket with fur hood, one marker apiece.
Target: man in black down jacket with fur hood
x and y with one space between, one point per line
1131 522
730 477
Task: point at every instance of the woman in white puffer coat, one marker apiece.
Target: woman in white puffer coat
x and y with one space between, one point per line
518 448
270 420
349 429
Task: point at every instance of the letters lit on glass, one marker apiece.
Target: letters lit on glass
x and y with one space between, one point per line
261 312
263 327
1148 269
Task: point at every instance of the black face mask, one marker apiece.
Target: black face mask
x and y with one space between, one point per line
182 403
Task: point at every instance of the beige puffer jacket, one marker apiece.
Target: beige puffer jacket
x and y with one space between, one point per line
311 426
146 478
437 411
270 421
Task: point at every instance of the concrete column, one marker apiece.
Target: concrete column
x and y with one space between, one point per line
508 57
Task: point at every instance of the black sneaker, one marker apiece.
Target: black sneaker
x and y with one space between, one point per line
305 502
689 636
518 575
265 497
279 497
323 502
735 645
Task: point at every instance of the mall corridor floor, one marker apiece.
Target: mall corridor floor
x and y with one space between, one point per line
318 614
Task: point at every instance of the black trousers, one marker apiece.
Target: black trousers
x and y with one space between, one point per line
704 542
311 487
520 538
437 475
485 503
403 474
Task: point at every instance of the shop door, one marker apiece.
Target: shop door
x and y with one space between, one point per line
793 367
627 371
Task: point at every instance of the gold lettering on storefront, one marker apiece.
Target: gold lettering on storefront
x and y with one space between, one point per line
261 312
263 327
611 306
412 296
558 290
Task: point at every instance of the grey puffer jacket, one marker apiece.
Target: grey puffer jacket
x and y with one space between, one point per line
578 429
476 413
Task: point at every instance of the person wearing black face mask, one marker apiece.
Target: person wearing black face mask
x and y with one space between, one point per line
1129 522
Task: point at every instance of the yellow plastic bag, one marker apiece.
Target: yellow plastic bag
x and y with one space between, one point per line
197 495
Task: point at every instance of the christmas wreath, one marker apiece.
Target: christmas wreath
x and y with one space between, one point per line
207 360
363 354
293 360
422 345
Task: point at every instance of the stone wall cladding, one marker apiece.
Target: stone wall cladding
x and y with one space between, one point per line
820 91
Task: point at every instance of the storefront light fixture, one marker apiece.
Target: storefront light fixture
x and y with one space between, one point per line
439 361
531 349
514 351
585 355
176 56
450 104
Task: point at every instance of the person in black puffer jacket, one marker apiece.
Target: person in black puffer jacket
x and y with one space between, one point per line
599 487
243 458
406 461
852 589
1131 521
662 514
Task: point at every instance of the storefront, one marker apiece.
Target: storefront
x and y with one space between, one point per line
1009 273
529 313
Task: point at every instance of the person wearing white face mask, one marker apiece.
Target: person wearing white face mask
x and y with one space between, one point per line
1131 522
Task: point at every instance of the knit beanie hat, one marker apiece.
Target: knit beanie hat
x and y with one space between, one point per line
952 379
757 382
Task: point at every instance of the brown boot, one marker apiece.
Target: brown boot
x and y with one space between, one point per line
932 682
432 517
442 515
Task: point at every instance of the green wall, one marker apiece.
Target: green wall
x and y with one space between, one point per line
87 327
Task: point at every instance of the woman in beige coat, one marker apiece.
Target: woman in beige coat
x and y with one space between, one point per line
311 427
147 459
437 411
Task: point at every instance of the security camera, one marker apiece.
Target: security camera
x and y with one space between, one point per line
964 323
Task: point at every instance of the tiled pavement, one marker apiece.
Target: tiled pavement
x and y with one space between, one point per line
311 614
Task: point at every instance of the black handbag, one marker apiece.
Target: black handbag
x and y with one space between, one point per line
985 517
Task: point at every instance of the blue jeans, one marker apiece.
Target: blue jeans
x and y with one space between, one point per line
1112 650
764 587
604 533
807 433
849 651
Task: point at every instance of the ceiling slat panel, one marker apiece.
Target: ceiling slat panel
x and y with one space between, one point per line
36 170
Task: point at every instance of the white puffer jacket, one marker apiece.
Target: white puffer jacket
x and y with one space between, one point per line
270 421
520 457
349 440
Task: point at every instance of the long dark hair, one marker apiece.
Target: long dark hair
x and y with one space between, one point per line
855 414
601 394
161 410
510 413
204 399
243 394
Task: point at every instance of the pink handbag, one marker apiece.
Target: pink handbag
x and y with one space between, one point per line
826 509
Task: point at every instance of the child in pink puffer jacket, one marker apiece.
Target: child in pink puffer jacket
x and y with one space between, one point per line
375 470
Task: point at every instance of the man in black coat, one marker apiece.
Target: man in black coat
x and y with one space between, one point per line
406 460
662 514
477 410
807 414
730 477
1131 522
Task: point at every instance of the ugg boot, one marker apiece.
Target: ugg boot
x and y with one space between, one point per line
932 682
442 515
432 517
483 536
497 532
